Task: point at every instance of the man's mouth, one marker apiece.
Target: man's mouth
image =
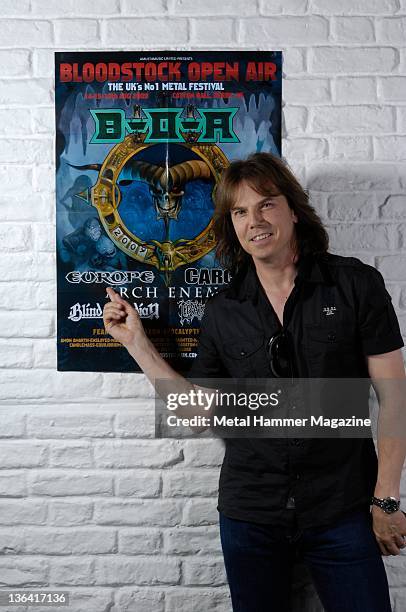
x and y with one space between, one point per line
261 236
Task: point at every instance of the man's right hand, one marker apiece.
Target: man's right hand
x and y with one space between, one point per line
121 320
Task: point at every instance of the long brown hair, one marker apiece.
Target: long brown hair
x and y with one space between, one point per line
263 172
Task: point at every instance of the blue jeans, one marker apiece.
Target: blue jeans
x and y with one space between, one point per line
344 560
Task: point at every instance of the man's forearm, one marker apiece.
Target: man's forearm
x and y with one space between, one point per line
391 458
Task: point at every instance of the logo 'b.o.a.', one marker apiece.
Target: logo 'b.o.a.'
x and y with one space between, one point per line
165 125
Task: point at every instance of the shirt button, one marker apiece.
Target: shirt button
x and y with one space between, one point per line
297 477
243 353
331 337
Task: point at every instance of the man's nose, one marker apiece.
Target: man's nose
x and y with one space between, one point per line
255 217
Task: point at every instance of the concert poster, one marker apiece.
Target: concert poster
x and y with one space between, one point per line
141 141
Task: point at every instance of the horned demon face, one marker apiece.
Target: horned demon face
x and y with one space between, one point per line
167 203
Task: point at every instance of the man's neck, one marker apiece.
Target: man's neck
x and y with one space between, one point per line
276 277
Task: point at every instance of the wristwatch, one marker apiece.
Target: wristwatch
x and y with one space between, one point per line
388 504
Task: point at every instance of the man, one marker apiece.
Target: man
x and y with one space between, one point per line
293 309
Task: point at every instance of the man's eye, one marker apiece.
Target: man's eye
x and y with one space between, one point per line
267 204
238 212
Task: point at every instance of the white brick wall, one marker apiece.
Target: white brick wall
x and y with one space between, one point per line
89 500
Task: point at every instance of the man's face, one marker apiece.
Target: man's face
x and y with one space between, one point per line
264 225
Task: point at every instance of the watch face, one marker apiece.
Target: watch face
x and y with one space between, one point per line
390 505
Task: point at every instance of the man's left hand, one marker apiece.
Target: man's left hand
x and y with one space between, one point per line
389 530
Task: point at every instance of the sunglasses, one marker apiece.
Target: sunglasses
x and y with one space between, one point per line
279 356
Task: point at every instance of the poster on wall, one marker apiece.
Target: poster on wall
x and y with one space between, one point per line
141 141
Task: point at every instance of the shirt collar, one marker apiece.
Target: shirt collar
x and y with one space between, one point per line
311 269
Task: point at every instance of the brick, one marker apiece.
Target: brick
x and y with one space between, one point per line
57 483
19 296
44 354
22 511
19 151
394 207
20 454
83 385
13 484
143 7
282 7
11 542
126 453
391 30
136 424
124 570
76 32
242 8
402 304
190 483
43 120
23 572
351 206
21 209
36 32
204 573
126 386
355 90
10 7
74 455
200 512
352 30
293 60
192 541
294 31
168 31
295 120
43 63
30 267
187 599
210 31
73 571
396 569
44 180
15 237
45 297
14 63
9 126
15 180
73 7
149 512
26 384
138 484
15 92
392 89
358 148
12 423
390 148
336 60
139 542
392 267
202 453
304 149
70 425
77 541
140 599
65 513
354 7
91 600
351 119
309 91
357 177
365 237
402 234
26 325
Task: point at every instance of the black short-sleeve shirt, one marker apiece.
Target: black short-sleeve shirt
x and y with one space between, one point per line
338 313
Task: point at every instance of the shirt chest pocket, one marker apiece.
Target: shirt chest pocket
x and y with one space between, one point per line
246 357
331 350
